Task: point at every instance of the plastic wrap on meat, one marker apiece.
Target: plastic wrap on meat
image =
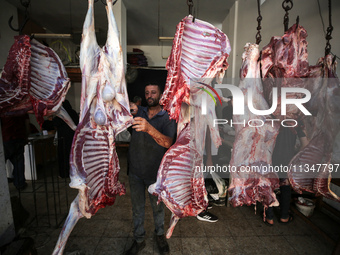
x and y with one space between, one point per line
105 112
254 143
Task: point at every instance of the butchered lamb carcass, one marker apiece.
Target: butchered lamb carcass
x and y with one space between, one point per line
199 54
33 79
312 167
285 64
105 112
252 181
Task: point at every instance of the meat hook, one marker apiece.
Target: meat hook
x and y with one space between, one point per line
21 27
259 19
191 5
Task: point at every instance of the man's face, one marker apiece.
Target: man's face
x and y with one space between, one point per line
152 95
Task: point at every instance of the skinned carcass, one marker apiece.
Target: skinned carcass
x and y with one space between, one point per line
311 168
251 179
33 79
285 64
199 54
105 112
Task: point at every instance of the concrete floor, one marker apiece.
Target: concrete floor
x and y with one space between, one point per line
238 231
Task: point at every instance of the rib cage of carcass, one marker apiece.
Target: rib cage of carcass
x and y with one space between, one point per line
35 79
105 112
285 64
199 54
253 143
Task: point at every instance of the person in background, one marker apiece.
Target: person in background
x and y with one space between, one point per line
137 100
284 151
15 131
153 133
65 137
209 160
48 125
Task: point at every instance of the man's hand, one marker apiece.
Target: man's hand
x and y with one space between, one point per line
141 124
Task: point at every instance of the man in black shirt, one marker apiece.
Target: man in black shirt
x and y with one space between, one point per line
153 133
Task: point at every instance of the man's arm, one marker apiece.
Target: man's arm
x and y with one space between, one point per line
141 124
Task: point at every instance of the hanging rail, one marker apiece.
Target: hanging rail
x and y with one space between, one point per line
287 5
259 19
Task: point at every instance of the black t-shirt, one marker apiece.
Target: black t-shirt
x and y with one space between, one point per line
145 155
284 149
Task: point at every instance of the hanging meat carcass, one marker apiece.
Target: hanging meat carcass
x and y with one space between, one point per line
35 79
199 54
251 181
284 63
105 112
311 168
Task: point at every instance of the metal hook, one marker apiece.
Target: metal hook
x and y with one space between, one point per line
21 27
259 19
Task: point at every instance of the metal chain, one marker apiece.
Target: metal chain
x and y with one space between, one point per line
287 5
329 29
190 3
259 19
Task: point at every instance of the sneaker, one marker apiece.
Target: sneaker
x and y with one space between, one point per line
162 244
135 248
207 216
219 202
209 205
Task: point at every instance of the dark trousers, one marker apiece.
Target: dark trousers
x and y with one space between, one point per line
14 151
285 198
138 187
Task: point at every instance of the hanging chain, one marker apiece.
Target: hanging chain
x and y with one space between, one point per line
259 19
287 5
190 3
329 29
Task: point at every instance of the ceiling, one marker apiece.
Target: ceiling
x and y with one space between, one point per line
146 19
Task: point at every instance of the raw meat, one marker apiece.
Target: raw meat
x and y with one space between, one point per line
105 112
199 50
199 54
306 173
284 63
33 79
15 78
254 142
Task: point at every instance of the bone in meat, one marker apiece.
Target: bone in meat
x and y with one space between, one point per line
34 78
325 106
105 112
15 78
254 143
199 53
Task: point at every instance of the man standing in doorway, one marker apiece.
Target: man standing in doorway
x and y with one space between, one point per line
153 133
